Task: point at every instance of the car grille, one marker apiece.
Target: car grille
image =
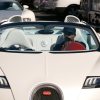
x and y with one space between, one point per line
47 93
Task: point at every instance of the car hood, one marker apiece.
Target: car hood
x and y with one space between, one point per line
7 14
68 71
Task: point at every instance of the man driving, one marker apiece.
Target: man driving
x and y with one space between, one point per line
67 43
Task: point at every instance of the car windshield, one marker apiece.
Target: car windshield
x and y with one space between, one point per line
9 6
36 37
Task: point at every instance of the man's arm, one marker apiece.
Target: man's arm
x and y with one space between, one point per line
58 47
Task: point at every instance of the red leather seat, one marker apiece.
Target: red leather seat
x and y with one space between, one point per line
73 46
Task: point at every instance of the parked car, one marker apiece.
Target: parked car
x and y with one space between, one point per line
91 15
61 8
9 8
31 70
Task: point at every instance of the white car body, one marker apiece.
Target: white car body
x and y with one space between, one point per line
66 3
65 71
12 8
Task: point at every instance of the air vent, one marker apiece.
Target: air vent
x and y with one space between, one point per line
47 92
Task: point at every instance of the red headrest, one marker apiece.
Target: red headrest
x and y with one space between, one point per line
73 46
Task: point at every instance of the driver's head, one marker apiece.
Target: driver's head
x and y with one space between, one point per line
69 33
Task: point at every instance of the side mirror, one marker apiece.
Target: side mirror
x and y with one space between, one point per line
25 6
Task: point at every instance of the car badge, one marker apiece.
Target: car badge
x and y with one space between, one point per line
43 43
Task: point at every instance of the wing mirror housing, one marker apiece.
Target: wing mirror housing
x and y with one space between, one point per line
25 6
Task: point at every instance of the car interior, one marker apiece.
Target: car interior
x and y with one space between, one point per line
39 39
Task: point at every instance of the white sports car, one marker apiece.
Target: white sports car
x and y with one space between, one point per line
11 8
30 68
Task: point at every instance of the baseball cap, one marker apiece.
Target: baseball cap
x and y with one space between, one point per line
69 31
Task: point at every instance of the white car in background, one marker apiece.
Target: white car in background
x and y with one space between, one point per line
31 70
11 8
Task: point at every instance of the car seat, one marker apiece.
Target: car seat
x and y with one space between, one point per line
72 19
14 36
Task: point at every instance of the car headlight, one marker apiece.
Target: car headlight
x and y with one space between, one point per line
3 82
92 82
